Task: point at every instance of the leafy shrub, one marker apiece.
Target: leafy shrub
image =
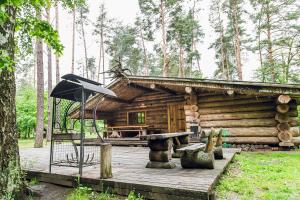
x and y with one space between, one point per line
133 196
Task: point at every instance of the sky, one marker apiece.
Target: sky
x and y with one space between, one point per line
126 11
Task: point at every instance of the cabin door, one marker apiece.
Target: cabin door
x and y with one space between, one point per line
176 118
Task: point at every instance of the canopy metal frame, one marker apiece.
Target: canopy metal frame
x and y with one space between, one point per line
69 96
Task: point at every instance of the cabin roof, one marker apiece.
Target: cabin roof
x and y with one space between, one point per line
130 87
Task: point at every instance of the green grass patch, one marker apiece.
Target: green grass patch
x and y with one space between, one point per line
265 175
29 143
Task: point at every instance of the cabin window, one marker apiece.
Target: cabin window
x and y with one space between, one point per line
136 118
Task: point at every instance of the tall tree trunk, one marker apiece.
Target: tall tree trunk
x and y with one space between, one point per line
99 65
181 63
49 112
73 40
34 68
57 29
11 178
40 93
164 38
84 46
270 45
103 52
145 60
237 40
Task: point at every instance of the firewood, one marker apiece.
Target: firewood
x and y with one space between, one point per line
194 108
283 99
282 118
283 126
282 108
285 136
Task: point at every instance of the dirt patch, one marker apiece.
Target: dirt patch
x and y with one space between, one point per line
47 191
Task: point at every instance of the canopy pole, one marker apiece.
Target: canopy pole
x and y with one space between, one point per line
82 130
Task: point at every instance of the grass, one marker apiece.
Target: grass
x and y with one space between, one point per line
28 143
86 193
265 175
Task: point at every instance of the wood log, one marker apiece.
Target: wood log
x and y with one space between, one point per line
160 156
283 99
188 90
285 136
296 140
105 161
189 119
230 92
283 127
194 108
251 140
234 102
239 108
187 107
282 118
282 108
295 131
238 115
294 121
189 113
210 143
222 98
247 132
239 123
286 144
196 114
199 159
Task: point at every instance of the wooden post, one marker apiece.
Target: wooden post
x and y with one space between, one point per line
105 161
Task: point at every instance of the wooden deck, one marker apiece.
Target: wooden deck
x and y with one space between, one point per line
129 173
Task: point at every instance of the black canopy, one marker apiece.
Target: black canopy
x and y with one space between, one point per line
71 88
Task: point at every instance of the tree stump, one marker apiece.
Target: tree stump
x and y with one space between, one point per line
160 154
105 161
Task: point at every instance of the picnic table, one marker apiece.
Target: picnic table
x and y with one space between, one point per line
116 131
161 148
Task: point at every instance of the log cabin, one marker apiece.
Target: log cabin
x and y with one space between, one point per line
248 112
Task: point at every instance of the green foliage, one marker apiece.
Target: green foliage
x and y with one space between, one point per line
26 110
267 175
133 196
34 181
86 193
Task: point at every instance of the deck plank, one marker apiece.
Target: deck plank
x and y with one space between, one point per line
129 172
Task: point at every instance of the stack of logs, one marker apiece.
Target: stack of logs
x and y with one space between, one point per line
284 108
255 120
191 109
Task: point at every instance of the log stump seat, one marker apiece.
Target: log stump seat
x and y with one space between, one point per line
160 145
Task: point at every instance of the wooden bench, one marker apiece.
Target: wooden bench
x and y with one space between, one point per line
116 131
161 148
202 155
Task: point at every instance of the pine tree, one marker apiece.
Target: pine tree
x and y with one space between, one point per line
82 21
49 57
277 32
40 91
236 30
102 29
222 45
159 12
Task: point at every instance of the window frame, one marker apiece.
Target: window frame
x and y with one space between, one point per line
128 121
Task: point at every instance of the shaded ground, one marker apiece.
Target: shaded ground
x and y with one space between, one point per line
262 175
49 191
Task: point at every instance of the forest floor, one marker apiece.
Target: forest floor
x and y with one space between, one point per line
261 175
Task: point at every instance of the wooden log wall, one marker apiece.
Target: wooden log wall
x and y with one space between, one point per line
155 106
286 119
249 119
